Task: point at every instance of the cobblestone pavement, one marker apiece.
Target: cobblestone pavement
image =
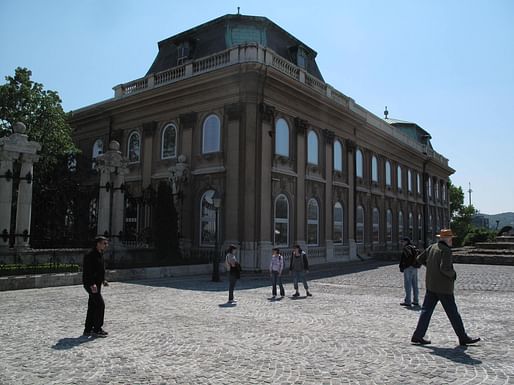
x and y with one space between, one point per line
179 331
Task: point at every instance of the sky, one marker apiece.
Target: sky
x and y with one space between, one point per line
447 65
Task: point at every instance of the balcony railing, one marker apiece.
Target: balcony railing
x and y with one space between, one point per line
247 53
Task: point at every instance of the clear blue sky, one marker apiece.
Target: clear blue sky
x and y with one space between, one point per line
447 65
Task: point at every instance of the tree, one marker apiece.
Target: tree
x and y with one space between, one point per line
23 100
456 199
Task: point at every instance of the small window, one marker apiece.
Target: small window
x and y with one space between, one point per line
211 135
301 58
400 226
388 173
374 169
338 223
389 225
312 148
281 228
134 148
338 156
98 149
312 222
169 142
359 169
282 138
183 50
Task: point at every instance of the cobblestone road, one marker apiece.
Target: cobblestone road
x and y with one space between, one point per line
178 331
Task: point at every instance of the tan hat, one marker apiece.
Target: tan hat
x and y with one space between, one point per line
445 233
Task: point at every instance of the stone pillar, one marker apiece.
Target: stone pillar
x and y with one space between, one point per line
300 127
24 203
113 168
6 179
329 205
351 200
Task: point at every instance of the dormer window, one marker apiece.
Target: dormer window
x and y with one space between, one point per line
183 52
301 58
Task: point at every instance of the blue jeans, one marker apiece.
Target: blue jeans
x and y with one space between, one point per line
449 306
299 276
410 282
276 278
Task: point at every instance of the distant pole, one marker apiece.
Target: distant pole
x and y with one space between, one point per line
470 191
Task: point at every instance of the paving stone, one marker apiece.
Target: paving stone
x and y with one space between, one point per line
174 331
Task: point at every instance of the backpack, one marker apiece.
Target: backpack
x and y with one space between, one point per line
414 255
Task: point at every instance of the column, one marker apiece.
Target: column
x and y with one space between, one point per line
24 203
118 201
351 199
300 126
6 167
329 206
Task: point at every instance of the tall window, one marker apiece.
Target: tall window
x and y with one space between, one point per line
374 169
388 173
211 134
338 223
169 142
359 164
338 156
430 227
359 230
400 226
411 226
98 149
312 148
282 138
443 187
418 183
409 180
208 225
376 225
389 225
436 190
399 177
312 222
134 148
429 187
281 225
420 228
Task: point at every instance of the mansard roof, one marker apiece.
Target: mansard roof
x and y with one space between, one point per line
228 31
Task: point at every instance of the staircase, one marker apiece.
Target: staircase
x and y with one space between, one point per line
500 252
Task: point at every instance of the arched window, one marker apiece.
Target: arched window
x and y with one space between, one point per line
399 177
411 226
359 165
436 190
281 221
282 138
359 233
169 142
208 225
312 222
211 134
429 187
409 180
338 223
388 173
312 148
389 225
376 225
134 147
374 169
420 228
418 183
400 226
98 149
338 156
444 192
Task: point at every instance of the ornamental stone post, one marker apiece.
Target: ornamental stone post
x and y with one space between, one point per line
6 167
112 167
24 203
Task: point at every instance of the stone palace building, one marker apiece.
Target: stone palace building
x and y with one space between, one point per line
262 152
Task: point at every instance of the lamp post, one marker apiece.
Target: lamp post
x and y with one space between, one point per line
216 202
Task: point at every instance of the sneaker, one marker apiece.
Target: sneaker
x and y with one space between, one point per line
100 333
469 341
296 294
309 294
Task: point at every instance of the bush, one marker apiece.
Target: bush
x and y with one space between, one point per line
478 235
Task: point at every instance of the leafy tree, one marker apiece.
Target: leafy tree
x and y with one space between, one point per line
26 101
461 223
456 199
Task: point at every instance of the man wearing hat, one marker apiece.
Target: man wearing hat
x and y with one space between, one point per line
440 279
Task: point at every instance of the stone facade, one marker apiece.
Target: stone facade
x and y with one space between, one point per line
294 160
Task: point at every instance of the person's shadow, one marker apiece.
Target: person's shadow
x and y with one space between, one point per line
457 354
70 343
227 304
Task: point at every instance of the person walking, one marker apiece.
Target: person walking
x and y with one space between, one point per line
234 271
299 266
440 279
409 267
93 277
276 267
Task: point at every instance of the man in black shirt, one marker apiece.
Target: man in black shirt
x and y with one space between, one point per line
93 277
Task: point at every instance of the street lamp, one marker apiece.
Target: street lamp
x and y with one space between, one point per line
216 202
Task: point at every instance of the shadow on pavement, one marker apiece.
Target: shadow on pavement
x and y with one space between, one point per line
70 343
457 354
227 304
253 280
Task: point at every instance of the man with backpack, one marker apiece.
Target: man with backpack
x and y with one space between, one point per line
298 266
409 267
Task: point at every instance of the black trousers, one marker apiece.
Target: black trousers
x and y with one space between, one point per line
95 310
232 279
